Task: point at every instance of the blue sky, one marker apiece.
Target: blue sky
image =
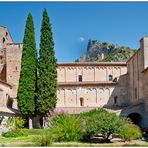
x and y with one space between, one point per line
74 23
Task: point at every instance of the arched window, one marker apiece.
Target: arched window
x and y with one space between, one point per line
110 77
81 101
3 40
115 100
7 35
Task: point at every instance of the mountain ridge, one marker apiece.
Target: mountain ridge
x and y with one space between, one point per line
105 52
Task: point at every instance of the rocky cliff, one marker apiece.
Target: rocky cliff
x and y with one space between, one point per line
105 52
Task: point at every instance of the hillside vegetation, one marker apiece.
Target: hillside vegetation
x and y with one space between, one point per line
106 52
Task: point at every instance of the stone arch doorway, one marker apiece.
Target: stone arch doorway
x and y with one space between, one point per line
135 118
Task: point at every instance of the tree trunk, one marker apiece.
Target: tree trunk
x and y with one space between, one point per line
36 122
30 122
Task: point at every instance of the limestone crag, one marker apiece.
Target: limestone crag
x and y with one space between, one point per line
105 52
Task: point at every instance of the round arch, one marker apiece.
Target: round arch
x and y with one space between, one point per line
135 118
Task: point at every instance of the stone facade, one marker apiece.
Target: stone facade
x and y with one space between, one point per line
10 62
119 87
89 85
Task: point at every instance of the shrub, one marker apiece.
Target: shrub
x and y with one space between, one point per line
99 121
15 133
43 140
15 123
66 127
130 132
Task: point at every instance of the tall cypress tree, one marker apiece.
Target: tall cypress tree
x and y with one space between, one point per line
27 82
47 73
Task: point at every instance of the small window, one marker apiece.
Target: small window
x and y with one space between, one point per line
3 40
135 92
1 59
6 33
80 78
81 102
110 77
115 100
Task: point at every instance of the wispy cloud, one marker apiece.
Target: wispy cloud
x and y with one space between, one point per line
82 39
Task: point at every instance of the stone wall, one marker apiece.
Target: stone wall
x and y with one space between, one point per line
136 65
13 66
91 72
5 37
4 94
95 88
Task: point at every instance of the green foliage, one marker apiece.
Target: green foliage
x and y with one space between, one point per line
105 45
15 133
35 131
47 73
101 122
121 54
43 140
130 132
15 123
111 52
27 81
66 127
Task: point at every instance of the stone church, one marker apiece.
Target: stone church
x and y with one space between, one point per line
117 86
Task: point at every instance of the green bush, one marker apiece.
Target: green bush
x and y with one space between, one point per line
43 140
66 127
15 123
15 133
99 121
130 132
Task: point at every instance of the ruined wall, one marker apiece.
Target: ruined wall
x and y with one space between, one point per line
13 66
5 37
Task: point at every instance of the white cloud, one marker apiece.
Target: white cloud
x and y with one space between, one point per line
82 39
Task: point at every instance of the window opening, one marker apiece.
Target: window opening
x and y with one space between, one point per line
110 77
80 78
81 102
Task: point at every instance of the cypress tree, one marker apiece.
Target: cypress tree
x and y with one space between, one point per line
27 81
47 73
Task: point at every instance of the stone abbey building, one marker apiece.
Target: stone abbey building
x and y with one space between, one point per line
120 87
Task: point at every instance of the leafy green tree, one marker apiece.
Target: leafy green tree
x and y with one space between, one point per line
27 82
47 73
101 122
